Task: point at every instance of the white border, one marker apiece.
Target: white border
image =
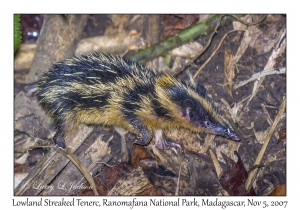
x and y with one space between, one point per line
157 7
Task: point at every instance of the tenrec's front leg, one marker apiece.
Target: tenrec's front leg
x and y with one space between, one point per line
144 134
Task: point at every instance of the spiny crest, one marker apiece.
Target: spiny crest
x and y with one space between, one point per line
207 105
172 87
167 81
214 111
121 63
219 117
161 89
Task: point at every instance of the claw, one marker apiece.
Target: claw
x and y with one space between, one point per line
161 142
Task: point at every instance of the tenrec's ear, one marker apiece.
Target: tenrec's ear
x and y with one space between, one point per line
188 105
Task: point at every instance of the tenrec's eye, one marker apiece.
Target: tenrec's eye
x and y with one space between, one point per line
207 123
226 132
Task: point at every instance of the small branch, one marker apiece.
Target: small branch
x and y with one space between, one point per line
270 64
73 158
215 51
208 141
261 74
213 33
218 168
178 181
216 163
266 142
179 39
203 50
249 24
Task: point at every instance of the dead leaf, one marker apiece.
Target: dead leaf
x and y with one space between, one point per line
234 177
190 141
174 23
131 184
98 149
189 50
239 25
231 61
268 184
203 180
107 179
139 153
152 192
227 148
118 24
18 178
279 191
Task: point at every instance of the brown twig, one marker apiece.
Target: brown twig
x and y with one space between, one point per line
178 181
259 75
203 50
210 39
249 24
215 51
266 142
218 169
216 163
74 159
